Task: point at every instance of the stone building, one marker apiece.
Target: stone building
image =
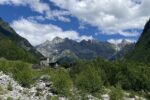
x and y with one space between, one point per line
44 61
48 62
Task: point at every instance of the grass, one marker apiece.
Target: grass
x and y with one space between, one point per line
1 90
9 98
60 77
52 98
21 72
9 87
116 93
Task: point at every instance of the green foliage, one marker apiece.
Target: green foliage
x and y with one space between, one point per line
9 98
38 93
133 75
62 82
9 87
89 80
147 96
1 90
130 75
15 47
52 98
11 51
21 71
23 74
141 53
90 76
116 93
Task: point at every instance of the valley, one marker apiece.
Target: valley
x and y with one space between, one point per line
86 70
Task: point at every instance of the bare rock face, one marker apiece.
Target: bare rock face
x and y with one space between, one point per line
106 97
41 86
6 81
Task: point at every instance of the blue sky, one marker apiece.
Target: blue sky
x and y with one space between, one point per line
104 20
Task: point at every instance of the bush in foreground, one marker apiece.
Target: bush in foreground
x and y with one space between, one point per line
89 80
116 93
62 83
22 72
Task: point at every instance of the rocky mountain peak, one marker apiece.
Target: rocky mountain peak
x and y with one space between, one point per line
121 44
126 42
85 49
47 42
57 40
93 41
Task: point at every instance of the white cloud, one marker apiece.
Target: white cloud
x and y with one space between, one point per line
118 41
58 14
64 19
144 8
37 33
39 18
40 7
110 16
35 5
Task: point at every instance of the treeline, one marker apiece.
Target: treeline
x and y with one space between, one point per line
90 75
11 51
86 77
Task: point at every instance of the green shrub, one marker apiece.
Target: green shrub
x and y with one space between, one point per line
62 82
22 72
89 80
9 87
1 90
38 93
132 75
12 51
52 98
116 93
9 98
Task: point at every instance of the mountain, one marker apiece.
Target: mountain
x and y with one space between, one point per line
123 52
121 44
84 50
122 49
15 47
141 53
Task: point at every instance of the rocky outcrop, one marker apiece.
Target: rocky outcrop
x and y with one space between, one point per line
10 89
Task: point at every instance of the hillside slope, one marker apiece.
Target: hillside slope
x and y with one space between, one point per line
14 47
141 53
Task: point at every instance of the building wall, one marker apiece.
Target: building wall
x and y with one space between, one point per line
44 62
